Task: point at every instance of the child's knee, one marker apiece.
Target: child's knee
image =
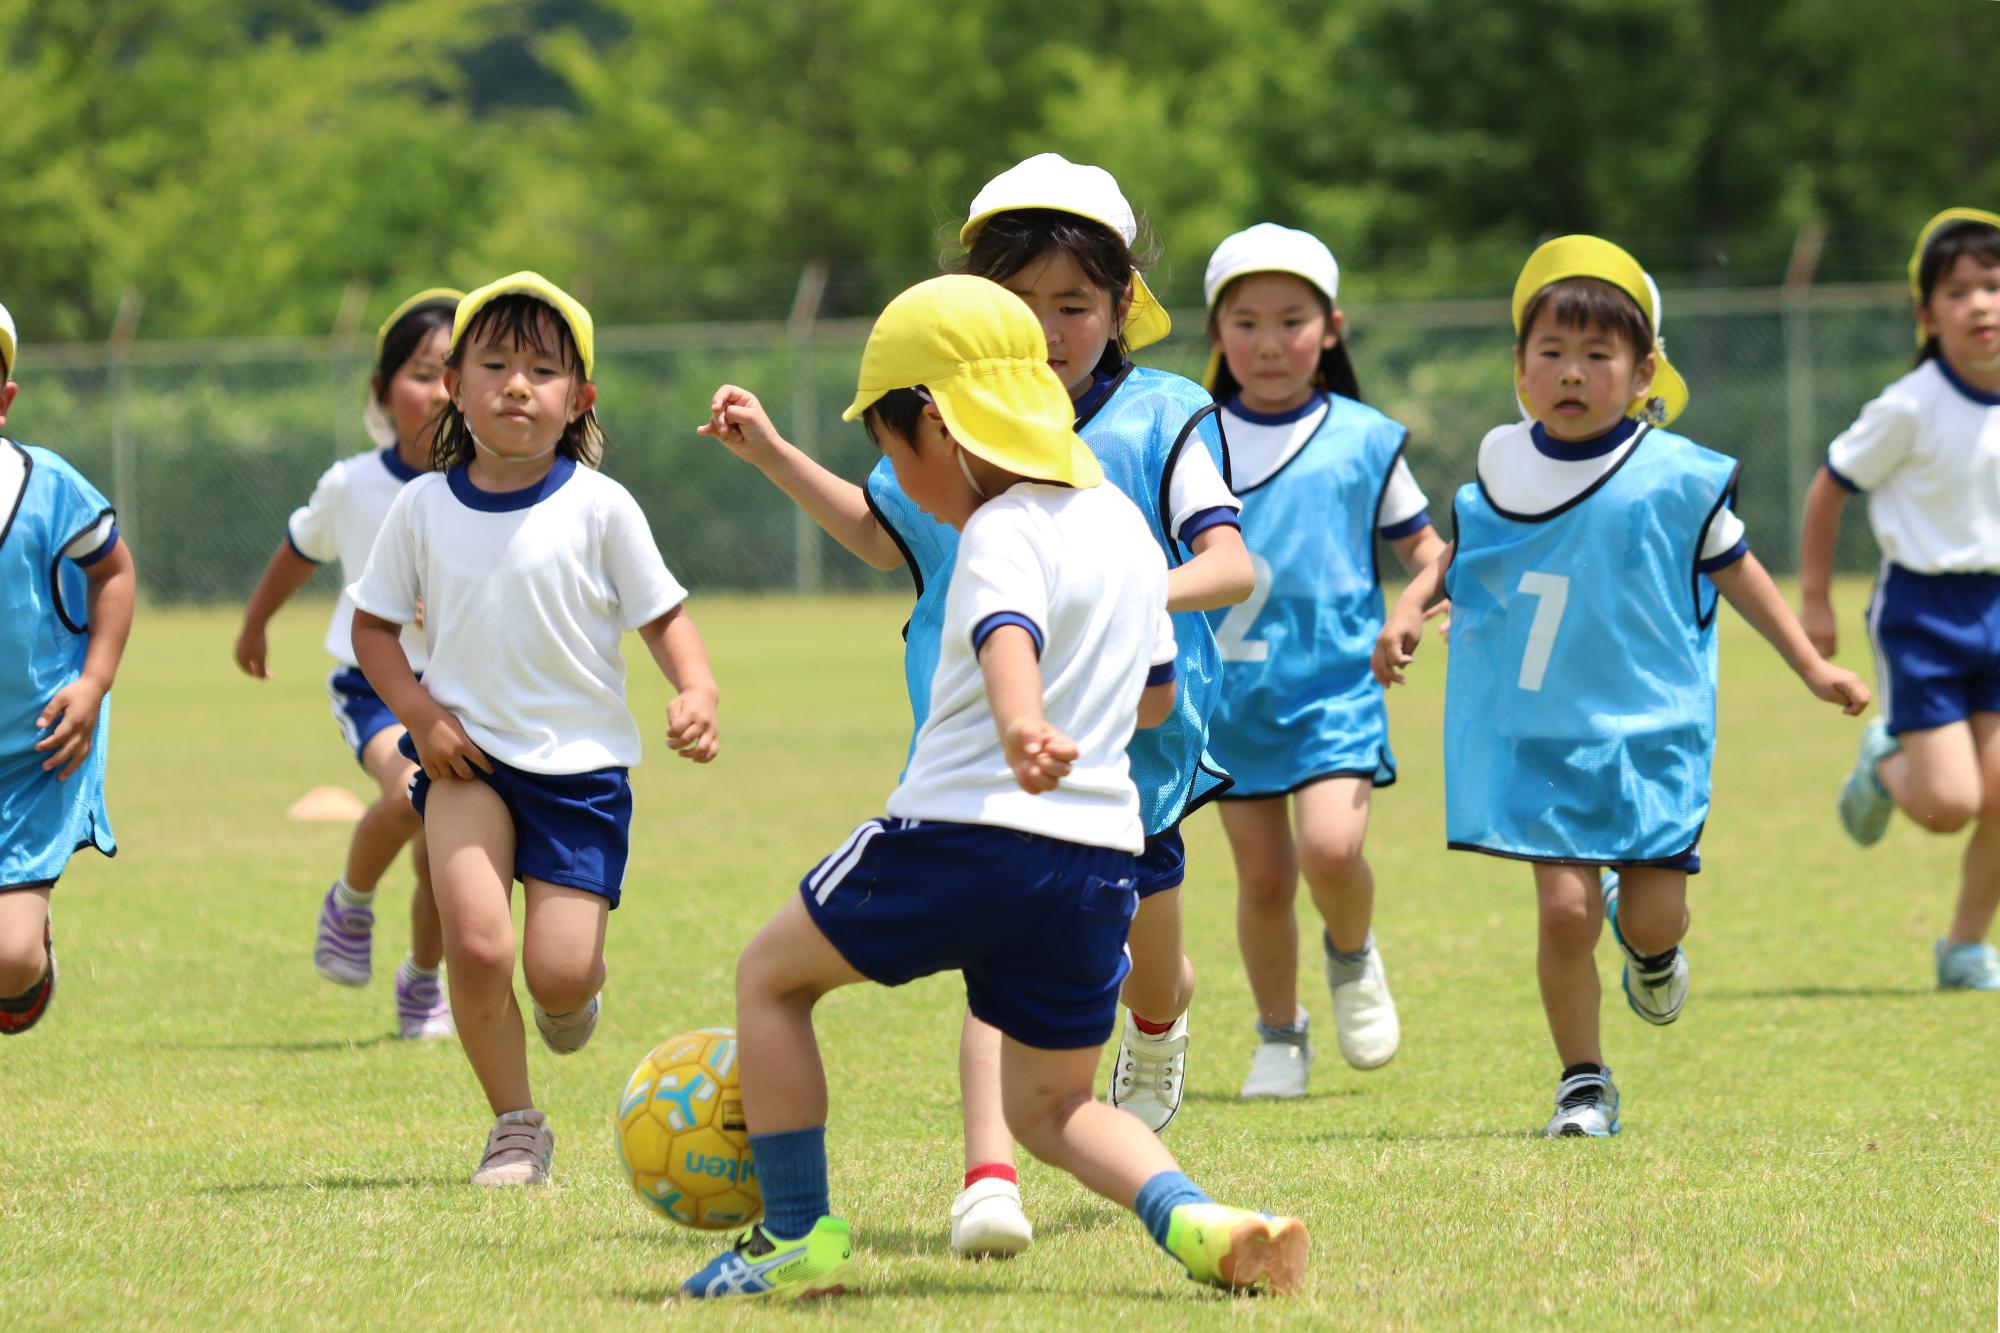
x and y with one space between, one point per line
22 963
1946 810
1267 884
1569 924
1330 858
560 983
481 955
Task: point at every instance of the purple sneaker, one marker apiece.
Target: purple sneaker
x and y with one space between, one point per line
342 952
421 1009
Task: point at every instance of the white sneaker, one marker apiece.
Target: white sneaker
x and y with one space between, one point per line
1146 1081
987 1221
520 1150
1364 1015
1586 1108
565 1033
1280 1068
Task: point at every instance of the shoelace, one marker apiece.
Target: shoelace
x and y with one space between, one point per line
1580 1091
1149 1074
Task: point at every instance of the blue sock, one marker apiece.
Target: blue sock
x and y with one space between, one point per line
1159 1197
791 1169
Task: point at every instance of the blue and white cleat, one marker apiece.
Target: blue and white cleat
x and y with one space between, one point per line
1586 1108
1655 994
1967 967
1865 804
760 1264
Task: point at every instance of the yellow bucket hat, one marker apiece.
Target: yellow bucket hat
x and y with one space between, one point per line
1928 234
449 296
1052 181
10 343
979 352
1593 257
532 284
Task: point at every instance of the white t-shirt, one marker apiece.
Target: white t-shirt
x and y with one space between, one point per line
1927 451
339 523
1527 473
1078 569
1260 444
526 595
1195 487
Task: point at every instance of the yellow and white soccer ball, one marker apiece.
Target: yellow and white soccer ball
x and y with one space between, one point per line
681 1134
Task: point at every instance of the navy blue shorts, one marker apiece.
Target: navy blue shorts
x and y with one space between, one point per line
1162 862
572 829
1037 925
358 709
1937 646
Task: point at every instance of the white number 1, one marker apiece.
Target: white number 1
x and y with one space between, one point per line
1232 636
1551 594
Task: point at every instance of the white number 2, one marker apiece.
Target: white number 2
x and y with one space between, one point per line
1551 594
1233 635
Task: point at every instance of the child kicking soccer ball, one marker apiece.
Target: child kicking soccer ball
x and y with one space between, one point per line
1009 851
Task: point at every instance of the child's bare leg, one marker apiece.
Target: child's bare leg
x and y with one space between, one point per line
562 952
471 837
23 915
1051 1111
780 977
1652 908
1160 985
1267 929
1332 822
426 931
388 824
1571 918
1979 885
987 1141
1935 777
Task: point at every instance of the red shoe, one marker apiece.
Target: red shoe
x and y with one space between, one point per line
14 1021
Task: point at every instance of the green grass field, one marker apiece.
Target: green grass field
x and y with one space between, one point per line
206 1134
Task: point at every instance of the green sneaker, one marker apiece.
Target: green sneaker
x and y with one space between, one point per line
760 1264
1235 1248
1865 804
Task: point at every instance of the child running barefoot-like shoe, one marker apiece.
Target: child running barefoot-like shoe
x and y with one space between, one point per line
344 949
421 1009
1009 852
1656 986
1586 1105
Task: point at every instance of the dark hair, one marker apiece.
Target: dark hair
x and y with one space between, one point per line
1953 242
1008 242
897 412
405 336
521 320
1336 368
1589 303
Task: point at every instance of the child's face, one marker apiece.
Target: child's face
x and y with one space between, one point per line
518 400
7 392
927 468
416 391
1272 328
1963 314
1078 319
1578 382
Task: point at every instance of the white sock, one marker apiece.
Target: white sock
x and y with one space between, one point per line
411 972
347 897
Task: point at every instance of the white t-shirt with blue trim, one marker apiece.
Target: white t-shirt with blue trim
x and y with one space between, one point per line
1927 451
339 522
526 595
1078 569
1262 443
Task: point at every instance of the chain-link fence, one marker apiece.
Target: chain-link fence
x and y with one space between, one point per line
205 447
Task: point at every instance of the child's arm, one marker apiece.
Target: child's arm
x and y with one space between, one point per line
443 748
72 710
1039 754
1156 704
287 572
1825 500
1750 590
676 646
1396 645
1219 575
1416 552
736 418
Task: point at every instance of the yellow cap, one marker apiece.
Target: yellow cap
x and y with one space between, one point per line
445 296
9 344
1052 181
979 351
1593 257
532 284
1924 238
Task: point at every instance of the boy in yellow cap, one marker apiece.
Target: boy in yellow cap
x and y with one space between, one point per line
1008 853
66 592
1580 693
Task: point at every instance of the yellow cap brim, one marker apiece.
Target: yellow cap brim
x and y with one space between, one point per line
1015 416
567 307
1146 322
430 295
1594 257
1924 237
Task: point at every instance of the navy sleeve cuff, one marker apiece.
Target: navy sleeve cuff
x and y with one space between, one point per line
110 544
1221 516
1163 674
297 552
1729 557
1409 527
1844 483
984 629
